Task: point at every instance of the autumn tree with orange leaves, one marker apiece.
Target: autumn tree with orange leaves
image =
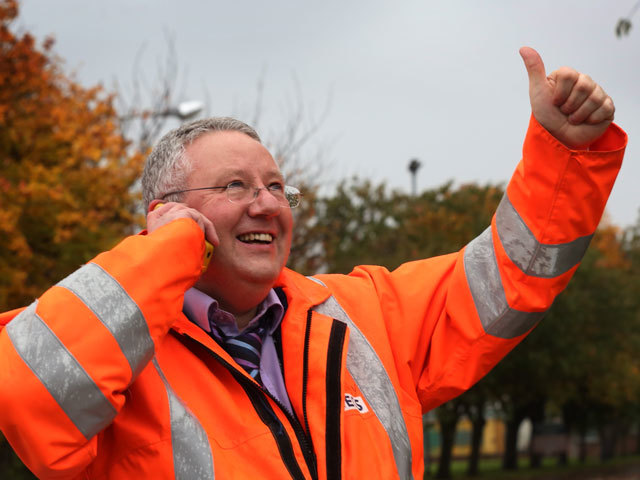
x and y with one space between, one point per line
66 172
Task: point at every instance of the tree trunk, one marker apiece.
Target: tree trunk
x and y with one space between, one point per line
536 415
535 460
10 464
582 449
608 439
622 434
478 424
448 419
510 459
426 427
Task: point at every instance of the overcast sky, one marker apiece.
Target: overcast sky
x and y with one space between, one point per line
440 81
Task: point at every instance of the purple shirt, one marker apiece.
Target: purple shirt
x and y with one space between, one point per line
203 310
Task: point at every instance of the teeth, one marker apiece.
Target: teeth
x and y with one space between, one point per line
253 237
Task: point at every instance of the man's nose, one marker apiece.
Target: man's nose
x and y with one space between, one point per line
264 203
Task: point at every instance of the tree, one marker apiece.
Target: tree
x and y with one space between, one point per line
367 224
448 416
582 358
631 247
596 367
364 223
67 173
475 403
624 24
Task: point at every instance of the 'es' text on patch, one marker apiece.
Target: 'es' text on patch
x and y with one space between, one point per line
354 403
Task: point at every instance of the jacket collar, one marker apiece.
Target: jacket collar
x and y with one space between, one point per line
300 290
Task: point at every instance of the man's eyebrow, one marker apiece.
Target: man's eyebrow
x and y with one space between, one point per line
277 174
231 172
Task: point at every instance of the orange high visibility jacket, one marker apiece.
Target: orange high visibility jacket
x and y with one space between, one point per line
104 377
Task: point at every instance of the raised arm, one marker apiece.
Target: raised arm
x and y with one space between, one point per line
462 313
69 358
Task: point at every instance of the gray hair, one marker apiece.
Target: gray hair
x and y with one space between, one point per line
167 167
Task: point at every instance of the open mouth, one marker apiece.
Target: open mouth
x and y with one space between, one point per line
260 238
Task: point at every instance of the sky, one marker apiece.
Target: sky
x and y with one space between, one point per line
386 81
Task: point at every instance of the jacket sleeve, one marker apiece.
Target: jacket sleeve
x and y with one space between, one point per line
450 319
68 358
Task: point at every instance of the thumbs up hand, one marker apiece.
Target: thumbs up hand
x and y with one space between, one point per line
567 103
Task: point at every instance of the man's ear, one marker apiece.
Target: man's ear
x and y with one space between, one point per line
154 204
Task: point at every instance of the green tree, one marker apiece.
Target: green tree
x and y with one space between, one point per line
582 358
367 224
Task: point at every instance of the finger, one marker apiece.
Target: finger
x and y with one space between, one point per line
168 212
205 225
210 232
535 67
605 113
563 81
156 211
160 209
581 90
589 105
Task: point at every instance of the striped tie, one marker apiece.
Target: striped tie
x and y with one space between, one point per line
246 349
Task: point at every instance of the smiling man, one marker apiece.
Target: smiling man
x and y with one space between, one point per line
253 221
150 362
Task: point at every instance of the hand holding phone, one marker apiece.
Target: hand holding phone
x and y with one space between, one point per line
208 229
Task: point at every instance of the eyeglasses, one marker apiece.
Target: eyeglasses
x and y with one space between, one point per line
239 193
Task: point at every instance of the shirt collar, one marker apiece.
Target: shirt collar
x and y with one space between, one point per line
201 309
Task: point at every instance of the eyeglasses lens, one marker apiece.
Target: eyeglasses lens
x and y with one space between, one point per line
289 197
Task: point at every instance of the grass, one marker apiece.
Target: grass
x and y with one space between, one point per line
491 468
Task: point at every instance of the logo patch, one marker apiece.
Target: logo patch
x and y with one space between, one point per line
354 403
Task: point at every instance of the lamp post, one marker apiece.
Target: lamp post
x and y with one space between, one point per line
414 165
182 111
151 122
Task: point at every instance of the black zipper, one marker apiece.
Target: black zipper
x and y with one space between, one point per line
334 400
256 395
305 376
269 418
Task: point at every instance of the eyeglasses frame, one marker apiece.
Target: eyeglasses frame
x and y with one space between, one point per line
256 192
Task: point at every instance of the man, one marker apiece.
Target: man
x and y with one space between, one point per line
123 369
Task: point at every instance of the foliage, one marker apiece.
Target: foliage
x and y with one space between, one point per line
66 175
66 172
582 359
367 224
66 178
624 25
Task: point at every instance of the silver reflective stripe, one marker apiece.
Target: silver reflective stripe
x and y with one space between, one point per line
60 373
483 277
192 458
113 306
372 379
532 257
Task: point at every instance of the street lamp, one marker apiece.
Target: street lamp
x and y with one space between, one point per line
151 122
414 165
184 110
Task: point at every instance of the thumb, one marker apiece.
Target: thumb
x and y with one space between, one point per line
535 67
